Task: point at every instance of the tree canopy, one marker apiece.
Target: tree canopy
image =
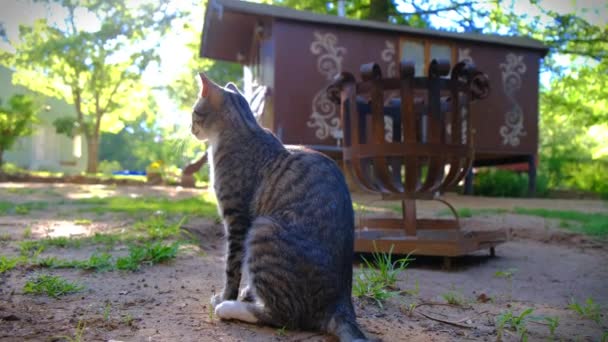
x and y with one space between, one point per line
94 60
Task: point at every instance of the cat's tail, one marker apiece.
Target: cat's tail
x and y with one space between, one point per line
344 325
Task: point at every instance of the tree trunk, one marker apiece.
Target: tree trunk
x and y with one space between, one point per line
93 152
1 160
378 10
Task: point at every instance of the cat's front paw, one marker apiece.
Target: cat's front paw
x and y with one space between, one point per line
216 299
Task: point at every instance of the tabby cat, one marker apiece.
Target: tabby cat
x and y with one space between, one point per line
289 221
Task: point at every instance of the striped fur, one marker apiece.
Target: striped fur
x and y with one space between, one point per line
289 221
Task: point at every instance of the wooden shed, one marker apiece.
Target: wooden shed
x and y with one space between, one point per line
290 56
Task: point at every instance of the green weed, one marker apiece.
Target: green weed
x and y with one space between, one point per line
5 237
589 309
78 334
151 253
106 311
31 247
27 233
376 278
97 262
7 263
453 298
553 323
52 286
508 273
22 210
413 292
282 331
515 322
409 309
128 319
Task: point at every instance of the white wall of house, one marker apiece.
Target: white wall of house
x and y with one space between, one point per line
45 149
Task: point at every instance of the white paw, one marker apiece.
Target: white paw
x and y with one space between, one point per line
232 309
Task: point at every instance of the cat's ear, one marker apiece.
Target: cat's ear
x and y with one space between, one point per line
233 87
209 90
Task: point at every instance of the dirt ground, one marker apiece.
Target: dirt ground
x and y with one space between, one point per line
546 268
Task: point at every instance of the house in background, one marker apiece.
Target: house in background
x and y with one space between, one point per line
293 55
45 149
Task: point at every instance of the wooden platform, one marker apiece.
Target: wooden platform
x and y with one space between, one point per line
449 241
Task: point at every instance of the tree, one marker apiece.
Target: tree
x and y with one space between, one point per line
94 60
184 88
462 14
16 121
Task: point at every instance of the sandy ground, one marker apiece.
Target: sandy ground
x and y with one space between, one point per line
169 302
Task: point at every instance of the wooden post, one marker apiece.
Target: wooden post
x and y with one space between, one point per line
531 175
409 216
468 183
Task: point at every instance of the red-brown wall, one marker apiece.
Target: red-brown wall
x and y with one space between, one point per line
306 56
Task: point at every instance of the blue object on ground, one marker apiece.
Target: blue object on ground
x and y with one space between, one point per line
129 173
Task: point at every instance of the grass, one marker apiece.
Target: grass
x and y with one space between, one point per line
83 222
151 253
52 286
21 191
154 229
5 207
32 247
200 206
21 208
377 277
96 262
157 227
593 224
468 212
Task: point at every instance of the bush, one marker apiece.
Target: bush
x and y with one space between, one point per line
203 174
504 183
584 174
10 168
108 166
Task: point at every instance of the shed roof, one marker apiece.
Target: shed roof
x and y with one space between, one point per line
249 12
